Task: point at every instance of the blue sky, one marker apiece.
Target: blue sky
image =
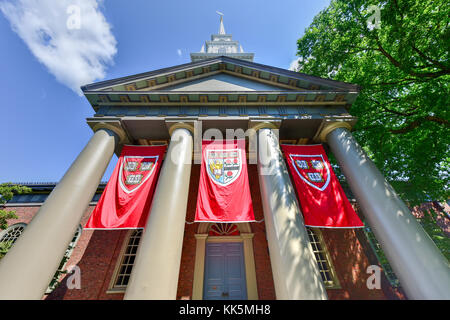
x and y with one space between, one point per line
43 63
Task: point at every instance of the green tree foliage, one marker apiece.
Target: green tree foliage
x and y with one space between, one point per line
404 72
55 282
4 247
7 190
428 222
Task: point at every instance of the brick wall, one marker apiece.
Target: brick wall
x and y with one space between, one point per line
97 253
350 262
349 253
440 209
262 261
186 276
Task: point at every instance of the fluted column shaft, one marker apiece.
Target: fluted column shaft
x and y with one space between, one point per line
29 266
423 271
295 272
157 265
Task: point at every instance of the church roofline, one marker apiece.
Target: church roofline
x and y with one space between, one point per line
178 68
43 186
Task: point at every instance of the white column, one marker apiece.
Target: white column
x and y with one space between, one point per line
28 268
157 265
423 271
295 272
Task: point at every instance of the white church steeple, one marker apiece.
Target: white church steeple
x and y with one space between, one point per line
221 28
221 44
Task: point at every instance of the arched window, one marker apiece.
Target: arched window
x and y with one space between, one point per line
12 233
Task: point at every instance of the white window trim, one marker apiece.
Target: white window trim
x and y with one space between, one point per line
113 288
335 281
11 227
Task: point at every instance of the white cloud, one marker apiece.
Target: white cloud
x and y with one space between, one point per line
179 52
293 66
70 37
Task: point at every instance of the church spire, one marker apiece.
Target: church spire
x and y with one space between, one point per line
221 44
221 28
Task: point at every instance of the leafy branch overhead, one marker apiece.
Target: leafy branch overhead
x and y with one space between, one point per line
403 69
7 191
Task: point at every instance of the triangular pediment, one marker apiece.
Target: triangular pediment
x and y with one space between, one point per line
223 82
188 75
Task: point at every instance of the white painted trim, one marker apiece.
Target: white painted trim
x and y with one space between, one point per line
212 221
245 237
113 228
333 227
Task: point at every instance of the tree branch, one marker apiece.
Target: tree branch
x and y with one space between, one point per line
399 113
402 82
412 73
416 123
434 62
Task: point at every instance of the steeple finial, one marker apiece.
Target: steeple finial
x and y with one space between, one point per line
221 28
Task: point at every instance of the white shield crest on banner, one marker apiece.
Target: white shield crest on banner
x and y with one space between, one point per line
223 166
313 169
135 170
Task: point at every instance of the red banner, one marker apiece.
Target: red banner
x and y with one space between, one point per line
125 202
224 192
321 197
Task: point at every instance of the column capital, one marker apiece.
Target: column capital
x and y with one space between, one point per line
180 125
116 128
327 127
264 125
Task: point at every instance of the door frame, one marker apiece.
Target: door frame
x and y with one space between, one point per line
246 237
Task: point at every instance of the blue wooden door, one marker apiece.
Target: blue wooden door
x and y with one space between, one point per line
224 272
